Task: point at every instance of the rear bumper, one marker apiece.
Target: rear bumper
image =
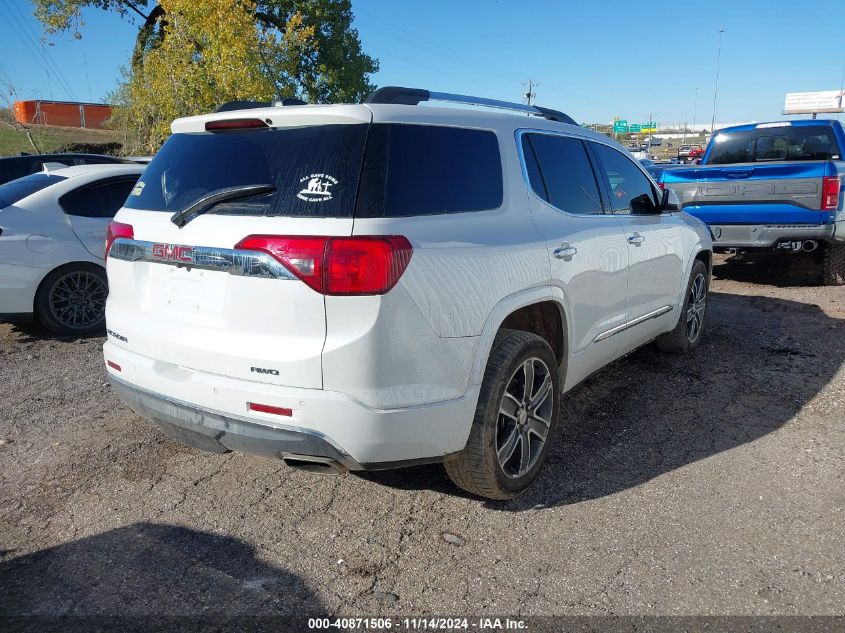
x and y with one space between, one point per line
768 235
210 412
219 432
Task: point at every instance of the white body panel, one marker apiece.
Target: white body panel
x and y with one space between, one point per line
395 376
37 236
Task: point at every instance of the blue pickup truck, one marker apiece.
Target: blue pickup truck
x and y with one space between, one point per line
774 186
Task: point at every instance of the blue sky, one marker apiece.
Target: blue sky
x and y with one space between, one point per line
593 60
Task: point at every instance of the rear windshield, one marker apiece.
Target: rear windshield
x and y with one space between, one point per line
806 142
403 170
314 170
16 190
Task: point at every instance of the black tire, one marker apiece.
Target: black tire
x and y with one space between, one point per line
682 339
71 300
833 266
477 468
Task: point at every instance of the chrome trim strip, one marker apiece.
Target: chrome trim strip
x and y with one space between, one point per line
629 324
233 261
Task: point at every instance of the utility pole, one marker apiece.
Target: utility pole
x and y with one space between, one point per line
694 110
716 87
529 95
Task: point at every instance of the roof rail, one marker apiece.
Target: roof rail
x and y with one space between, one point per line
413 96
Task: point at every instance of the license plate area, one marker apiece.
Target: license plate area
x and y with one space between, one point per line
189 291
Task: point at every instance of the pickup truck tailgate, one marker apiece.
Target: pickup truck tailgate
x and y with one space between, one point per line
778 193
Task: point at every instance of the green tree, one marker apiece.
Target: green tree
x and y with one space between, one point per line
192 55
336 69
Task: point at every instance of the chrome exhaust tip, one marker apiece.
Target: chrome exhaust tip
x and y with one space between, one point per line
313 464
808 246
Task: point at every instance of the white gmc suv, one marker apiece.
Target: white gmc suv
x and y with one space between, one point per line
352 287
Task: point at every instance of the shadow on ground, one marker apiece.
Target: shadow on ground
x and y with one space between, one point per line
650 413
150 577
784 270
31 330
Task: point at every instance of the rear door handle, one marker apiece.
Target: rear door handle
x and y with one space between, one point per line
566 251
636 239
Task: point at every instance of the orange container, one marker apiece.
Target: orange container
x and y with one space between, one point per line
66 113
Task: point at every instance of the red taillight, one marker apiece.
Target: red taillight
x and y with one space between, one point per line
662 185
113 365
368 265
266 408
230 125
831 187
116 230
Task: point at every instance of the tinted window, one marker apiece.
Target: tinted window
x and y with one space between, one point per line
98 200
17 190
630 191
314 169
425 169
567 176
806 142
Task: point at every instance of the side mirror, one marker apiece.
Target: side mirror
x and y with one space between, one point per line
670 201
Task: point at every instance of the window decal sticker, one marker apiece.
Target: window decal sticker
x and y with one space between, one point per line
316 187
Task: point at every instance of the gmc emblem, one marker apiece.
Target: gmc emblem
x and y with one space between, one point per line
174 253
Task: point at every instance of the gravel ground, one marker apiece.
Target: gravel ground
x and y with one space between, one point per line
702 485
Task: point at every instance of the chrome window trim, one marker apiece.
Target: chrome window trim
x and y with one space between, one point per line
633 322
242 263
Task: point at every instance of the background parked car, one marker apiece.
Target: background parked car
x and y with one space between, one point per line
52 231
688 153
13 167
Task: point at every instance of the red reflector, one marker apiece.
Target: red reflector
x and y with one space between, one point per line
831 187
367 265
113 365
662 185
116 230
266 408
226 125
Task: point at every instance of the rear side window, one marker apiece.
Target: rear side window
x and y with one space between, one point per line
314 170
16 190
98 200
426 169
629 188
566 179
806 142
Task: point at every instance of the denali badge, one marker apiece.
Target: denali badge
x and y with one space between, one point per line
262 370
119 337
173 253
316 188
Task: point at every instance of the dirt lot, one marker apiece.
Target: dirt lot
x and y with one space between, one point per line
704 485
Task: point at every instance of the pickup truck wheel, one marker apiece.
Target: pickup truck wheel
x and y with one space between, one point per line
514 421
833 267
687 333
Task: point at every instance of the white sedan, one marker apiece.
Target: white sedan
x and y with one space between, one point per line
52 230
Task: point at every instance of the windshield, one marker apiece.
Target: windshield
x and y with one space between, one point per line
16 190
808 142
314 170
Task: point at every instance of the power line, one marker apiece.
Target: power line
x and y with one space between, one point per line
32 46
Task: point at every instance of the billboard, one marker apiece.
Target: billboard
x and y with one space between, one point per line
812 102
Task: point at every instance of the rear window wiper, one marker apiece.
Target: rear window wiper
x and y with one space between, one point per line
227 194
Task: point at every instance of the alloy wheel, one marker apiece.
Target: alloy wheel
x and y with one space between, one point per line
525 413
78 300
696 303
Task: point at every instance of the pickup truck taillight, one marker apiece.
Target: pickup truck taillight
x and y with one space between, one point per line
116 230
830 193
366 265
